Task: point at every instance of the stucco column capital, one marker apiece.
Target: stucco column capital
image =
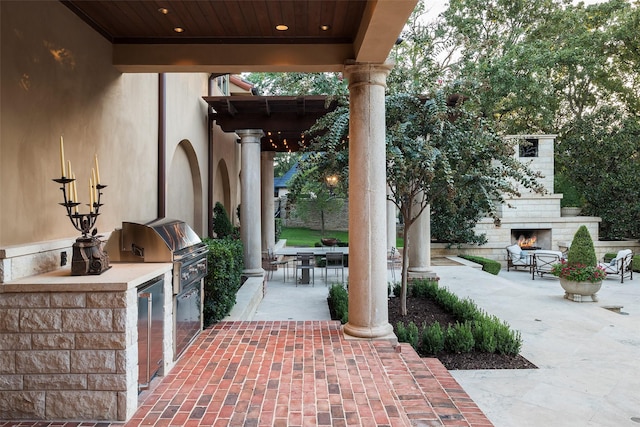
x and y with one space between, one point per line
250 135
367 74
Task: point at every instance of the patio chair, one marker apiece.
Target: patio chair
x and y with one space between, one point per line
305 263
393 260
516 257
276 263
543 261
266 264
621 265
334 261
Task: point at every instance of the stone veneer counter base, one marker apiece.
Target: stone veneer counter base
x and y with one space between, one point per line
69 344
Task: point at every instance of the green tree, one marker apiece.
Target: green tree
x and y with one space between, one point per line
309 192
439 153
600 153
436 153
283 162
298 84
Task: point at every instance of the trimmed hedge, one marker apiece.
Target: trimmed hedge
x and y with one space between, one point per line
474 330
488 265
339 303
224 277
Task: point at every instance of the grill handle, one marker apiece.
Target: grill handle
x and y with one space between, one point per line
149 298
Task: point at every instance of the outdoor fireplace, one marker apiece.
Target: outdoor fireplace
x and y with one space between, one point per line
531 238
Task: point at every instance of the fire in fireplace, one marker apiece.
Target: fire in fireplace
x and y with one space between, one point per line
532 238
525 242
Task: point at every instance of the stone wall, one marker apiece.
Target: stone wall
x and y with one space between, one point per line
64 355
72 355
332 221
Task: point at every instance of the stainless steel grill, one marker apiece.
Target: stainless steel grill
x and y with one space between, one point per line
168 240
161 240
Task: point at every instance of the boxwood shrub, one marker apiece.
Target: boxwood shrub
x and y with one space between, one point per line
474 330
224 278
488 265
339 303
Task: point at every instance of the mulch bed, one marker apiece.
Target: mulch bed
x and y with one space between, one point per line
424 310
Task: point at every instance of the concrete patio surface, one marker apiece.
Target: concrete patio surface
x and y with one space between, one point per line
588 357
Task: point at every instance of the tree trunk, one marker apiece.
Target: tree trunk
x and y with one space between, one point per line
405 270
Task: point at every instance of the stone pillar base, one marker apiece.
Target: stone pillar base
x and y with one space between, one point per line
253 272
383 332
422 274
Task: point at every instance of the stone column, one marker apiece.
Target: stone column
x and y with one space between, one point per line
268 224
368 309
391 222
420 249
250 223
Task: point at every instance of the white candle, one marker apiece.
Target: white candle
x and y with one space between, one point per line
97 170
62 157
75 192
95 185
68 175
90 194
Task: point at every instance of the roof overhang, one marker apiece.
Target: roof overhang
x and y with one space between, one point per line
234 36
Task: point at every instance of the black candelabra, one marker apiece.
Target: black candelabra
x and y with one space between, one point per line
88 256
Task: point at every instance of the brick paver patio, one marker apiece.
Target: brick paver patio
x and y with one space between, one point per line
300 373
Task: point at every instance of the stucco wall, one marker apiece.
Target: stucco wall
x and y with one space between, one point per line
57 80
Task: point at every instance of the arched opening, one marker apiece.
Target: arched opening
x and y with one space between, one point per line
185 200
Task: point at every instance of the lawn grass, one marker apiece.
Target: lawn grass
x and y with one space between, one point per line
298 236
305 237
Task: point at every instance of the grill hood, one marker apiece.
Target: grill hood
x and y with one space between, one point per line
159 240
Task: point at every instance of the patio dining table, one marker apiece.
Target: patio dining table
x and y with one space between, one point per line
316 251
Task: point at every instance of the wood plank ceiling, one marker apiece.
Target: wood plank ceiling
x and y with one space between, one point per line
235 36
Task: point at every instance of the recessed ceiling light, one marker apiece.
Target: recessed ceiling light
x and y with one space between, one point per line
325 27
178 29
282 27
163 10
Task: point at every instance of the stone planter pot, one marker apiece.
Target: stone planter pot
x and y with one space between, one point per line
329 241
576 291
570 211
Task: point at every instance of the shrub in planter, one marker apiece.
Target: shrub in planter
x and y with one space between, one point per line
484 335
474 329
413 335
465 310
581 264
459 338
432 339
507 341
582 250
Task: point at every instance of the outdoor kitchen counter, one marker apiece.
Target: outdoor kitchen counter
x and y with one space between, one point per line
120 277
69 347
